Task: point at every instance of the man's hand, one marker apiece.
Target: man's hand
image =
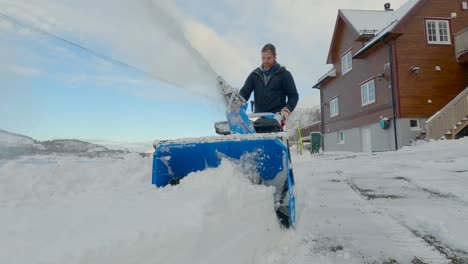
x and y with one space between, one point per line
285 113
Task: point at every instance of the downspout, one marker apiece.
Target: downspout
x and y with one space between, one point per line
392 87
322 121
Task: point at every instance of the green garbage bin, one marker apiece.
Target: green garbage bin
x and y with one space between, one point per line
316 141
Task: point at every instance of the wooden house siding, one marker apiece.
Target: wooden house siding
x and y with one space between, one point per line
412 49
348 87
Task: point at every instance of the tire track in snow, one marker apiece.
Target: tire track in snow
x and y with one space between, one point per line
434 193
457 256
398 233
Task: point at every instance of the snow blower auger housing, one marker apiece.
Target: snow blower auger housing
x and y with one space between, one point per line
239 140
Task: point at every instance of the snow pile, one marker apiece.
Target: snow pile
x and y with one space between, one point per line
79 210
408 206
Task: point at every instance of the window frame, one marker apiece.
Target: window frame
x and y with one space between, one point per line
417 127
333 113
436 22
366 87
347 60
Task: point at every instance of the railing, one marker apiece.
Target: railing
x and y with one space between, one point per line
445 121
461 43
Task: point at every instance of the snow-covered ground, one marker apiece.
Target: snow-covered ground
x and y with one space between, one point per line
409 206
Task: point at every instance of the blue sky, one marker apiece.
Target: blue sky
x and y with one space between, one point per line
53 90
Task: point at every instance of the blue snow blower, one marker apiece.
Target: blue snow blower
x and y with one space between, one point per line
254 139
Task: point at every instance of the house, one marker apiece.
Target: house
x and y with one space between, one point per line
393 70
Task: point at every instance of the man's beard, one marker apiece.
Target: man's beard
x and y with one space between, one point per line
267 66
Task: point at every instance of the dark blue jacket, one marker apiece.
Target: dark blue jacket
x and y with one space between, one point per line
272 96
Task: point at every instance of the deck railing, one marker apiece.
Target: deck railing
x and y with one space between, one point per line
461 43
444 123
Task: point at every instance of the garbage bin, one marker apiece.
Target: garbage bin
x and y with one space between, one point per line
316 140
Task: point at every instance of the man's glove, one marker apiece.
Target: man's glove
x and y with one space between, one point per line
285 113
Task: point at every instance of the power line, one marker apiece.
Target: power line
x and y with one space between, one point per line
92 52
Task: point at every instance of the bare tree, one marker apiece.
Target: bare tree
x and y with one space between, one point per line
304 117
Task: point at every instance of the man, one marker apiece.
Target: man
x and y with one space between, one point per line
274 92
271 84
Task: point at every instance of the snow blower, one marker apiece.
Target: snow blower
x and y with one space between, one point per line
253 138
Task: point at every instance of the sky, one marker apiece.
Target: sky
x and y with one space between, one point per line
51 89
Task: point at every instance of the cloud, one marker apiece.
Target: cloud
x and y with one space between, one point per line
300 29
120 29
23 71
5 26
309 101
103 79
158 36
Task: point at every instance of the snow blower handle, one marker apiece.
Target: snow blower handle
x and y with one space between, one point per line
234 100
238 120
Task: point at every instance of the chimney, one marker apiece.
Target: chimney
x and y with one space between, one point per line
387 7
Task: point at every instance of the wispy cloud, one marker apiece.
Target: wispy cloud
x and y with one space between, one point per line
226 33
5 26
23 71
309 101
103 79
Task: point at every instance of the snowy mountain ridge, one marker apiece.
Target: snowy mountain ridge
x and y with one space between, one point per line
8 138
14 145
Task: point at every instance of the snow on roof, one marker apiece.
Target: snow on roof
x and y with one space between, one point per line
367 20
370 20
381 22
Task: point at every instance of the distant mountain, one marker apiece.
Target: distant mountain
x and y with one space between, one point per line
72 145
12 139
13 145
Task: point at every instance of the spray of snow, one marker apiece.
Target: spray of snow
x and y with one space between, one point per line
149 34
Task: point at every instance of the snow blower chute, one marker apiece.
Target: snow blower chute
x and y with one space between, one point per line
255 138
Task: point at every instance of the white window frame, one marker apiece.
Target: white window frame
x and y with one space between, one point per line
346 62
437 24
366 89
341 137
334 107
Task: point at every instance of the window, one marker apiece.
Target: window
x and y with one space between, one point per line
438 31
368 93
346 63
334 109
341 137
414 124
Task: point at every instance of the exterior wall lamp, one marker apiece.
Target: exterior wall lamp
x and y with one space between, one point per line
415 70
380 77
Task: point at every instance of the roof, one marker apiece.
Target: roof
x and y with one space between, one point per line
391 22
363 20
367 20
330 74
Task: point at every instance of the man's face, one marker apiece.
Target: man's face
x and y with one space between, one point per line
268 60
